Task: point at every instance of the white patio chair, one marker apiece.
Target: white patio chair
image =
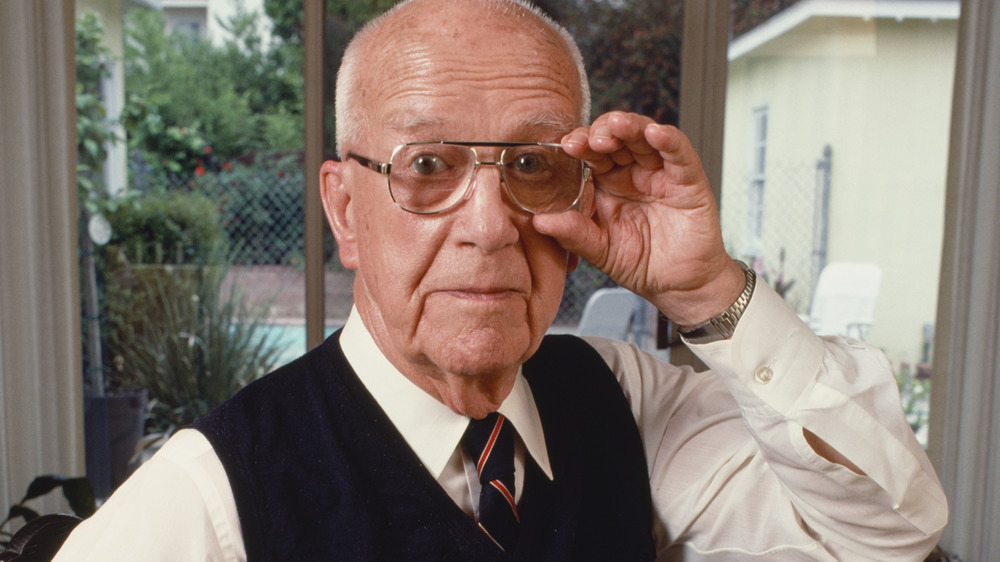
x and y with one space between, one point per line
844 300
610 313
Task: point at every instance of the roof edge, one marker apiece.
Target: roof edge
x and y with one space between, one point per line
866 9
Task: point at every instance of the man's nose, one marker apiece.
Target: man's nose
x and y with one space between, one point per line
487 217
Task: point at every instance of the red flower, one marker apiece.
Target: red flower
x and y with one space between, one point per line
199 171
208 149
227 166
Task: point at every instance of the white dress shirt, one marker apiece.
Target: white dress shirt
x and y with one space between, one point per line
432 429
732 476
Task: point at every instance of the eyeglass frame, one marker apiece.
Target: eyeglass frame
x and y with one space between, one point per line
385 169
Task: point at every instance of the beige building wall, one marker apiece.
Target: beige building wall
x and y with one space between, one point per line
878 92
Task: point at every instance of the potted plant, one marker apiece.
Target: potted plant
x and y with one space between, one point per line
177 331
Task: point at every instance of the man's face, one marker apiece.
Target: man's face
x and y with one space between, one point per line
467 294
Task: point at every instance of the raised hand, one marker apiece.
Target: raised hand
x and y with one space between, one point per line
651 224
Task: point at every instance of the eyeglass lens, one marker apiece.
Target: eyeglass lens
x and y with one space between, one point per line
433 177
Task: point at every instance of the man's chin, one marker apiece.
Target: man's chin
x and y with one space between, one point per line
475 393
474 343
485 359
480 357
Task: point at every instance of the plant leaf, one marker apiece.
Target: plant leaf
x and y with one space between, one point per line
80 494
42 485
20 511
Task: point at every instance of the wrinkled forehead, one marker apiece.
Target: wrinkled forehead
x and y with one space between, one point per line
460 22
456 71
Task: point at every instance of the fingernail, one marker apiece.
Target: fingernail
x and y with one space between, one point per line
601 133
575 138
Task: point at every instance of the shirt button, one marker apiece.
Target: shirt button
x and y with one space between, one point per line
763 374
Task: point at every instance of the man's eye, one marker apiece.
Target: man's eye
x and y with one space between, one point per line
531 164
428 164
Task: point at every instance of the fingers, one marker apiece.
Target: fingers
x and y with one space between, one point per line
618 139
672 146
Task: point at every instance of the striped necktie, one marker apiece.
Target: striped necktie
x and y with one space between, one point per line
491 442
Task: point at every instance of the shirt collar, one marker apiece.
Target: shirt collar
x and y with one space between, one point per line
430 428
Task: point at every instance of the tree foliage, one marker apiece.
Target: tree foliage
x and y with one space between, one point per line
631 49
747 14
287 15
343 19
185 94
94 131
189 102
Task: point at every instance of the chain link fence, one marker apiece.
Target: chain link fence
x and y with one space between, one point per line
580 285
781 233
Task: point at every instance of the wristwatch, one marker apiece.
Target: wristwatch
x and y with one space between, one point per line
722 326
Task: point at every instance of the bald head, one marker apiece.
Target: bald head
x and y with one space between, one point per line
406 39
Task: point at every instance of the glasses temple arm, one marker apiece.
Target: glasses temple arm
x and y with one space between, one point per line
380 167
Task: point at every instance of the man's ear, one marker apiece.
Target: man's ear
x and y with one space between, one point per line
339 211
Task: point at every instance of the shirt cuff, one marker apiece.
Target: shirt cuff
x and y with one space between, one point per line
772 357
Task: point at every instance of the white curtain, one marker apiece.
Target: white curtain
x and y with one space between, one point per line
965 424
41 419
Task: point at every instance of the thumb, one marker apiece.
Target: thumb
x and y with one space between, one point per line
575 233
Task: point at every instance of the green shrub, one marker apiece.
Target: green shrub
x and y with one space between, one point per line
178 232
174 227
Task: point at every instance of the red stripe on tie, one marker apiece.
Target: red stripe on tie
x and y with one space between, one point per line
489 445
483 529
507 496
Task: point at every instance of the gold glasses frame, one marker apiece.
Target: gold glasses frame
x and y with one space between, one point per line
385 168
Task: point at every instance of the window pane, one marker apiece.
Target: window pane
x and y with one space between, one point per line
858 103
194 267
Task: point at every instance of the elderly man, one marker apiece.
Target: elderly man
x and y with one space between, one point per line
461 202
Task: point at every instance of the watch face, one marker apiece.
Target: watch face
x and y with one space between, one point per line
99 229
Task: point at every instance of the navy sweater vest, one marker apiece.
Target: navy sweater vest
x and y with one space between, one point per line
320 473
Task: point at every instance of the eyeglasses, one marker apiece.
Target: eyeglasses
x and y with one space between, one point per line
431 177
